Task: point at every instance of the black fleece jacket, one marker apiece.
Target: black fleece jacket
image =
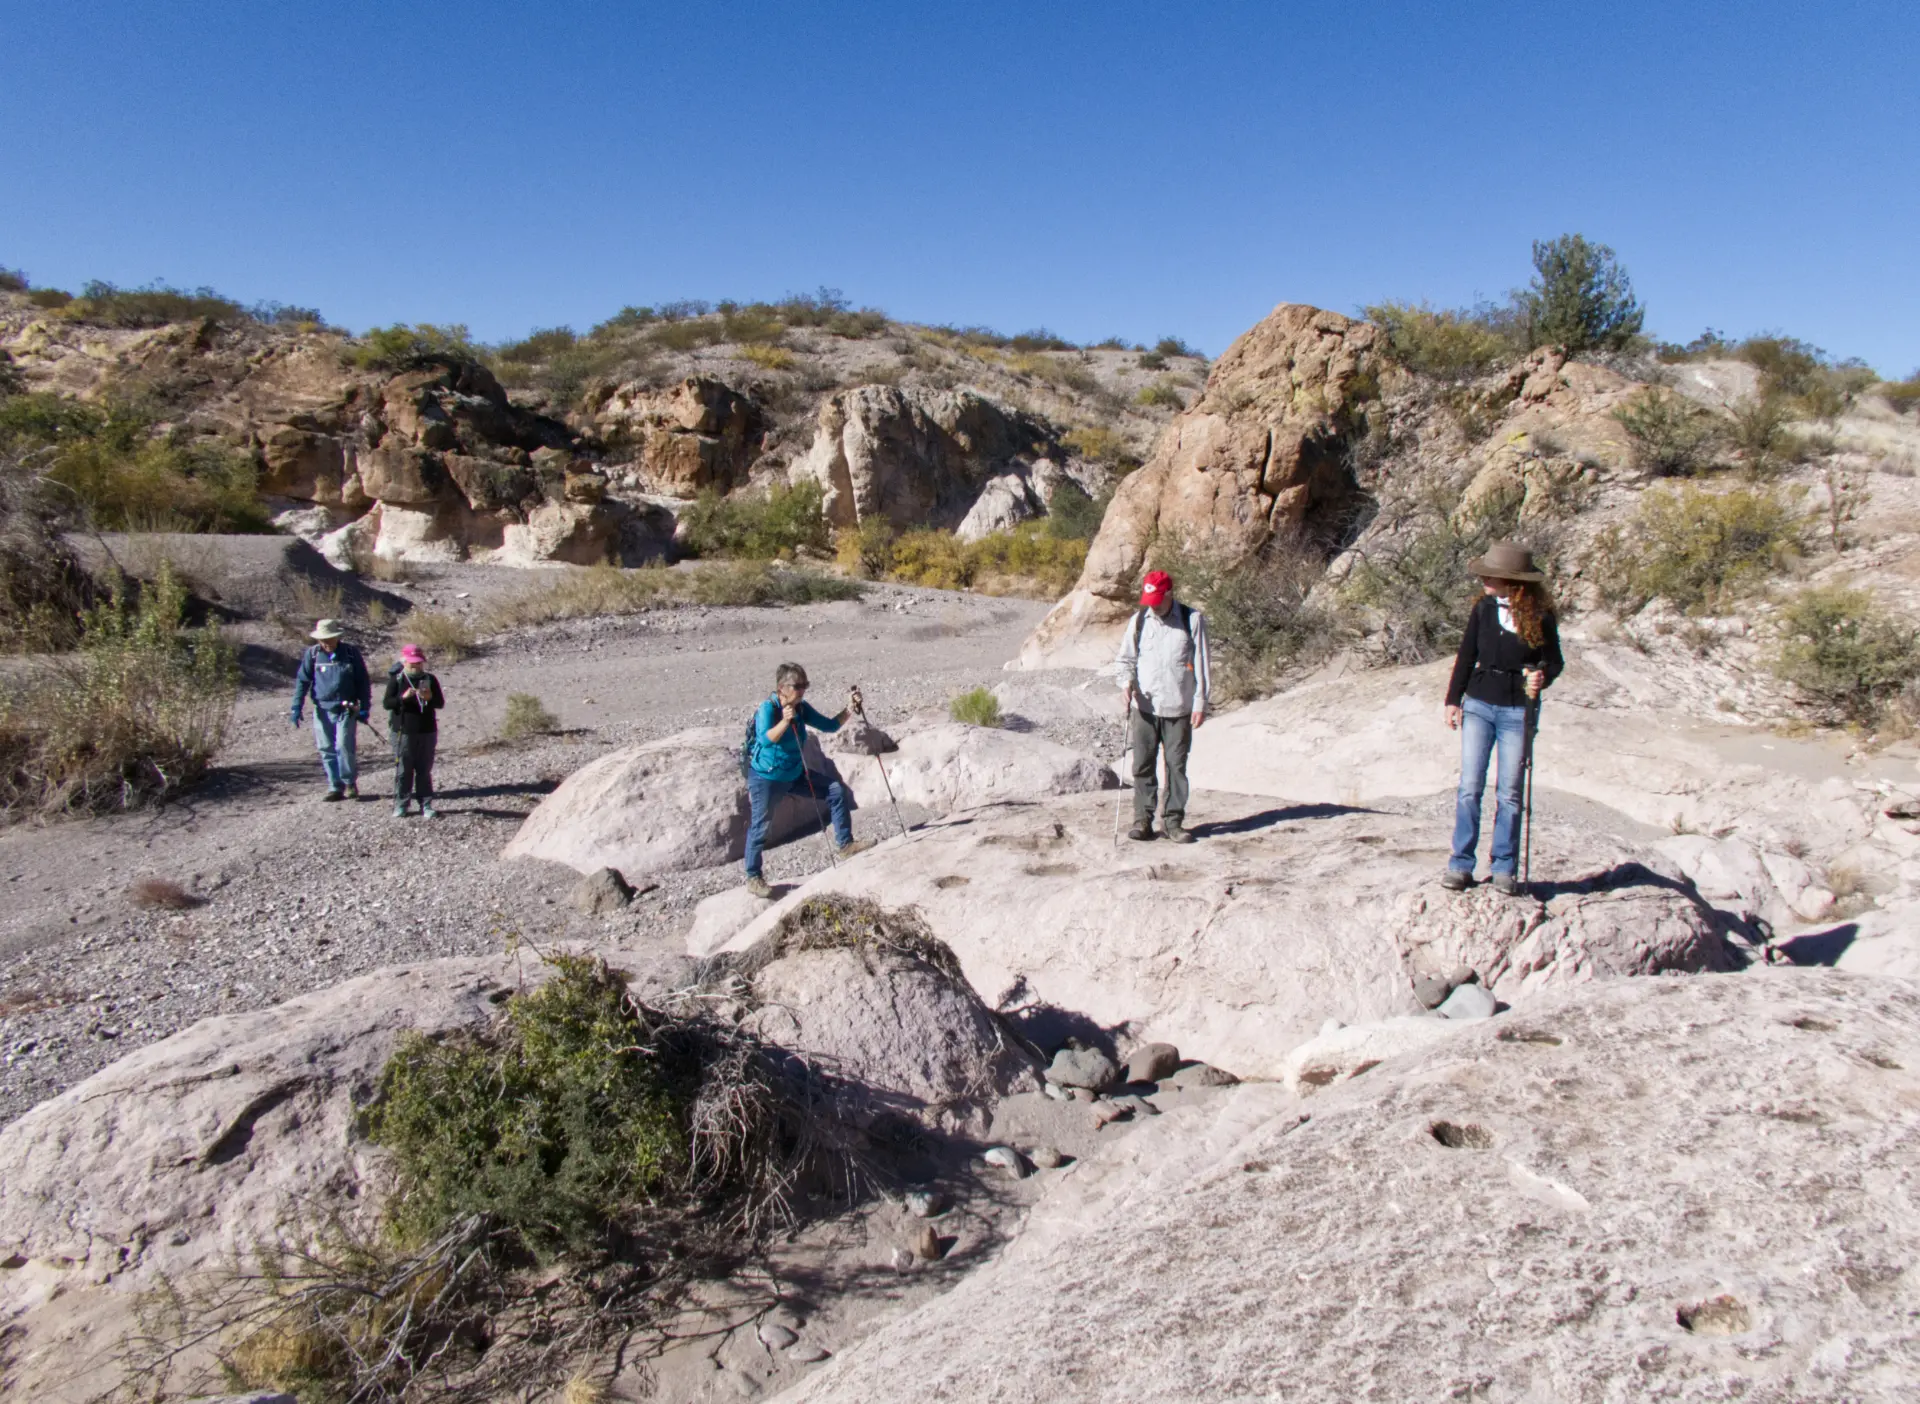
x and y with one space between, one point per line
412 715
1487 668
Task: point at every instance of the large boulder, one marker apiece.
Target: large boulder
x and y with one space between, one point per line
698 435
915 457
1538 1207
1239 947
659 807
955 766
1263 449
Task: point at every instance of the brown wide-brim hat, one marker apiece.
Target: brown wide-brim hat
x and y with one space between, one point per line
1506 560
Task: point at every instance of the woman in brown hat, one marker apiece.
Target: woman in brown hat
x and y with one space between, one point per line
1509 654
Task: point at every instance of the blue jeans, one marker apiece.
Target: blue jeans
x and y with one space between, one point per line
764 792
1480 728
335 734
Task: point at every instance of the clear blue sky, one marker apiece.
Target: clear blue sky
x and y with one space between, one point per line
1117 167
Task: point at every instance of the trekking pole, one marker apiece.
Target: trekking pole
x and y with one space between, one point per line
1126 724
861 712
1526 790
819 814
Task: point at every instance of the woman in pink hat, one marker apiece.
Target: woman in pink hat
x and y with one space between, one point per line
413 697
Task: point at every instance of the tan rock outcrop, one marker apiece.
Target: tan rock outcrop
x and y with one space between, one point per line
698 435
1239 947
1685 1189
916 457
1263 448
954 766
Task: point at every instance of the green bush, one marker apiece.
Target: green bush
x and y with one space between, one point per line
1902 395
866 550
1416 578
134 716
1160 393
785 520
539 346
12 280
558 1124
526 715
1670 435
1098 444
1845 655
1068 374
978 707
1027 559
1761 436
1699 549
1451 343
1263 623
401 346
155 305
1174 346
45 592
1074 516
1152 360
1580 298
51 299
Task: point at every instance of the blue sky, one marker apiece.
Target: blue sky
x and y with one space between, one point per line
1113 168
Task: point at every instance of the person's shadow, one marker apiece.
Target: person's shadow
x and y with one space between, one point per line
1267 818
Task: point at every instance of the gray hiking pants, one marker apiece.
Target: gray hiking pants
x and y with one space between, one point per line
1150 735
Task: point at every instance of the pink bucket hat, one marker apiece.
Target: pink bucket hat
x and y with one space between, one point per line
412 654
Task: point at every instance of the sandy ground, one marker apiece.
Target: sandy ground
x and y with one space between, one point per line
297 894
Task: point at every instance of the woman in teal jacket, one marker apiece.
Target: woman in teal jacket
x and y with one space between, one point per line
776 767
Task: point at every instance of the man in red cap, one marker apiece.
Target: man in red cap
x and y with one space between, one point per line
1163 668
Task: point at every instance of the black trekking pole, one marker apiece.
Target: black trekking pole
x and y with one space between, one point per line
860 711
1526 790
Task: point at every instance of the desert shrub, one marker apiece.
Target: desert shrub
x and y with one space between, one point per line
1160 393
1072 515
866 550
1669 434
1110 343
446 637
1264 625
1451 343
600 591
1099 444
44 590
1039 339
1068 374
12 280
400 346
978 707
526 715
539 346
1152 360
52 299
1844 655
133 716
685 335
1761 436
1902 395
767 357
155 305
160 893
754 527
1415 577
1580 297
1699 549
1175 346
1027 559
936 560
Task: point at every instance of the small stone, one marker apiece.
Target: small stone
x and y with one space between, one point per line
1430 990
1082 1094
1139 1105
1046 1157
1152 1061
1468 1002
774 1336
1462 975
1083 1067
1059 1094
1203 1075
926 1243
902 1259
808 1354
601 892
924 1204
1008 1159
1105 1113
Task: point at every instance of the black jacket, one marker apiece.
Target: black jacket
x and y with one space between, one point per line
411 715
1487 668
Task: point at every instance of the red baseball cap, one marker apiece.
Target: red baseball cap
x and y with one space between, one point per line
1156 587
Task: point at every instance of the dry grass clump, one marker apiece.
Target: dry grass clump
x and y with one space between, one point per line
526 715
1264 622
152 892
978 707
1032 559
834 922
133 716
44 590
1699 549
1847 658
444 636
601 591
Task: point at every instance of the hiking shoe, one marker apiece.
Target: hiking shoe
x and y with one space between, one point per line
400 810
847 850
332 797
427 811
353 790
1506 884
757 887
1141 831
1176 834
1456 881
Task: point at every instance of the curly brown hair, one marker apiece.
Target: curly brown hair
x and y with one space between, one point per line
1531 605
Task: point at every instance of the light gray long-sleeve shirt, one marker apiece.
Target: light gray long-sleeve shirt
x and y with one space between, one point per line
1169 671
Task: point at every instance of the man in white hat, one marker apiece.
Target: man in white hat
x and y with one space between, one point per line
336 675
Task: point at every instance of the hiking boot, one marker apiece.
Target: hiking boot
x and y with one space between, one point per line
1506 884
353 790
1142 830
400 810
847 850
427 811
1176 833
1456 881
332 797
757 887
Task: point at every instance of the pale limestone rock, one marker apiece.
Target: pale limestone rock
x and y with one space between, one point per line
662 806
955 766
1335 1055
1040 703
1497 1216
1004 502
1236 948
572 533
